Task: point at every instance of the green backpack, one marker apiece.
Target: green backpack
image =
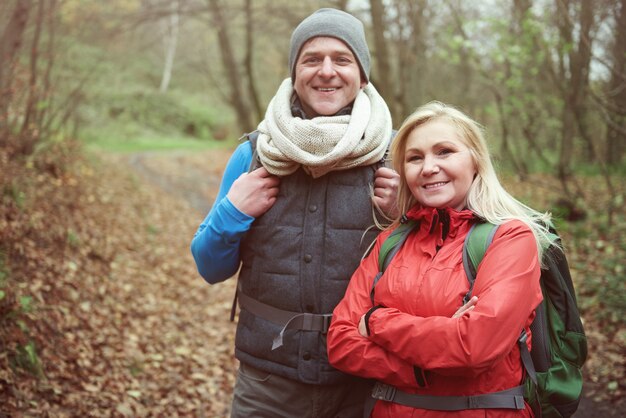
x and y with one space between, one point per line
559 347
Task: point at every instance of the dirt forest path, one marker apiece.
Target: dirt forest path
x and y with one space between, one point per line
180 336
193 325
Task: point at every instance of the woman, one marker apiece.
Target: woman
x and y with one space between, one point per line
415 337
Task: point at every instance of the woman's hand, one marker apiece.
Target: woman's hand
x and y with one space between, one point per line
466 308
362 327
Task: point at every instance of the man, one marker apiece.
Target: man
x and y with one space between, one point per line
299 223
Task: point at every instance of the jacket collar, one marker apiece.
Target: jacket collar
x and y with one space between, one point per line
444 223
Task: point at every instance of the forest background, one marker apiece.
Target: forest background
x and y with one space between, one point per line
101 310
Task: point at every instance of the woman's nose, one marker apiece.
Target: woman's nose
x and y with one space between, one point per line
430 166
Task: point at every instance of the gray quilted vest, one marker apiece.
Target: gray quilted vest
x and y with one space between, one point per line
299 256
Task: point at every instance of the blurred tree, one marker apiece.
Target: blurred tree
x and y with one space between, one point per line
29 132
616 94
10 44
231 68
38 99
384 80
249 63
169 25
574 58
411 54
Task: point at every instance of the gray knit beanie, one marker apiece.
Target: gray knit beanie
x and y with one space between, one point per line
335 24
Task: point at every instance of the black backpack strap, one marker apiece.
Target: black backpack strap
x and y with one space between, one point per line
254 164
506 399
528 363
385 161
527 360
286 319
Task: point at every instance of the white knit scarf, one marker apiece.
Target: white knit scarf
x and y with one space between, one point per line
324 143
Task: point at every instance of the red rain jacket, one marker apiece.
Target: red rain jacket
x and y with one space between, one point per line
413 336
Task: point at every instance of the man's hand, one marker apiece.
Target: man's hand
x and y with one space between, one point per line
386 184
254 193
466 308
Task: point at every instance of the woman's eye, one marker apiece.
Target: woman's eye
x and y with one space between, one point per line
413 158
445 151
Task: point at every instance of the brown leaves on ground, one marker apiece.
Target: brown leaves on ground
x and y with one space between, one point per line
101 283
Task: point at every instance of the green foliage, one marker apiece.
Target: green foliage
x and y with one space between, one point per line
152 120
121 108
604 295
72 238
4 274
159 112
597 252
25 357
26 304
136 367
12 314
13 192
153 229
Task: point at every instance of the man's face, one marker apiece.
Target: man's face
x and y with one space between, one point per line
328 76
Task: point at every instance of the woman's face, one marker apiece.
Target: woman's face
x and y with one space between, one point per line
438 166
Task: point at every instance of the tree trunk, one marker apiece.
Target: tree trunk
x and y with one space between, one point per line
46 94
28 135
518 163
249 64
170 41
383 76
230 67
575 76
616 123
10 44
411 56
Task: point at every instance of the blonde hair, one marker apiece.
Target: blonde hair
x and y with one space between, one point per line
486 197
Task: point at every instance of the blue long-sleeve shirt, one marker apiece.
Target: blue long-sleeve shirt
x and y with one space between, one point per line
215 245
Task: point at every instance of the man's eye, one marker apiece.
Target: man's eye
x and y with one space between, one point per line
310 60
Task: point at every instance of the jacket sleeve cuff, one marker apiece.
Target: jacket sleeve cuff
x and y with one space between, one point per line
367 317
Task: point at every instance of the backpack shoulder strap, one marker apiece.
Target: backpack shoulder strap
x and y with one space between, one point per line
390 248
392 244
475 246
255 162
386 162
